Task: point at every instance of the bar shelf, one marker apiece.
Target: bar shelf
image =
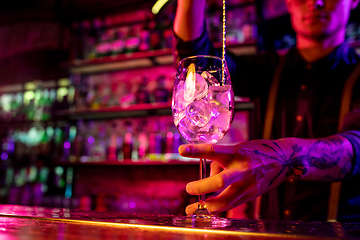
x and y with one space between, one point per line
136 110
128 162
142 59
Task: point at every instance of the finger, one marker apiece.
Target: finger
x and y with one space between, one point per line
190 209
228 199
214 183
215 168
219 153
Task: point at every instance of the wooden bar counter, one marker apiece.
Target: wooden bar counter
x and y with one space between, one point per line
22 222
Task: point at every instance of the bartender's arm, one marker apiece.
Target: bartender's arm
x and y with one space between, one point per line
244 171
189 19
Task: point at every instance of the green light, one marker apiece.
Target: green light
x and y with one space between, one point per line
44 173
37 96
72 133
32 174
50 131
59 170
61 92
30 86
28 95
71 94
52 95
64 82
158 5
6 102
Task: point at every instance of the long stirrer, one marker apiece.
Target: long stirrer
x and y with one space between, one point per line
223 43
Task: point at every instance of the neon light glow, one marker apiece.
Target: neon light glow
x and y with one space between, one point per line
158 5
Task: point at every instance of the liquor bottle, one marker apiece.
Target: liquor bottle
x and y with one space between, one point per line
111 145
59 141
114 96
167 33
66 145
128 142
160 93
143 95
89 140
118 44
99 149
133 40
155 35
145 38
143 140
81 89
104 46
77 142
88 38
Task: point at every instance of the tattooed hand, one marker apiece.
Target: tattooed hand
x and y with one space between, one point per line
243 172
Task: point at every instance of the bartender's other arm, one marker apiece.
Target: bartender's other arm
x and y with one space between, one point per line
244 171
189 19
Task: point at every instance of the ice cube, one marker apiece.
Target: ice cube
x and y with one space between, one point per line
210 79
196 86
221 117
201 88
199 113
178 116
188 130
221 95
179 102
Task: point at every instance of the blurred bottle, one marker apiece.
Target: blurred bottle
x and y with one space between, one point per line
99 149
89 37
59 139
76 41
145 37
45 103
143 140
96 99
114 95
160 93
155 35
56 185
167 33
128 142
66 144
133 40
40 187
143 95
112 156
69 182
155 141
89 140
77 141
16 107
105 45
63 98
81 90
118 44
29 101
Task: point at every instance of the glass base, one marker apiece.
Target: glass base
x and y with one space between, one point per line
201 218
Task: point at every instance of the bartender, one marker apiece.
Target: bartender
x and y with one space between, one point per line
306 151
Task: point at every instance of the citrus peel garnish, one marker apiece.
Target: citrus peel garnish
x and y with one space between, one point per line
190 83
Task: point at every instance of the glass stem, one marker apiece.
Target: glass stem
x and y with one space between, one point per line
202 198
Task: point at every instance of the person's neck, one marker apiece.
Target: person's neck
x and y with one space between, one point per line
313 50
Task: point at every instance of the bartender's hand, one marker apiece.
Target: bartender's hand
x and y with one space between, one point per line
244 171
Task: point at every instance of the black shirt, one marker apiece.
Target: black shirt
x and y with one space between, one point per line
307 106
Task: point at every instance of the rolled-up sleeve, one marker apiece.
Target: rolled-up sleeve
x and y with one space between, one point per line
354 138
199 46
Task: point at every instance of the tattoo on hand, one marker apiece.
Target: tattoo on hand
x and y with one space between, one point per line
298 163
